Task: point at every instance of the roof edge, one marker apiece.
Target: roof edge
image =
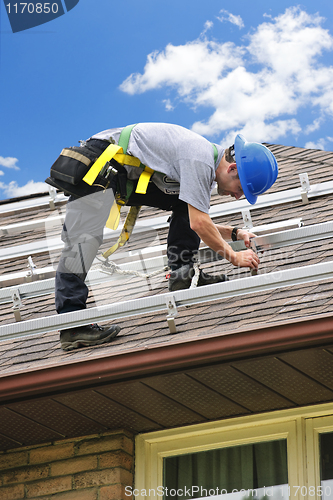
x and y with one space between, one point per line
176 356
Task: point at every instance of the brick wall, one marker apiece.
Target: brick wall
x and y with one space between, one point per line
95 467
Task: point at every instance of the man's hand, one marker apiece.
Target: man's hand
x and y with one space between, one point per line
246 258
245 235
213 235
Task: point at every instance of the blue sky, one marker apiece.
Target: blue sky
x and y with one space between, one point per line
262 68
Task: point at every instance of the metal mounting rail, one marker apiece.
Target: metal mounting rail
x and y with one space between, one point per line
36 247
31 225
55 243
149 305
56 221
266 200
18 206
143 262
19 278
219 210
293 237
278 198
154 258
95 277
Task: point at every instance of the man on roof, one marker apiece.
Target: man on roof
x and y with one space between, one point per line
186 167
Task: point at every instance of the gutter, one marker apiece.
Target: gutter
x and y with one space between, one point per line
158 359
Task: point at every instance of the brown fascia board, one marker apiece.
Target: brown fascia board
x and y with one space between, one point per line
157 359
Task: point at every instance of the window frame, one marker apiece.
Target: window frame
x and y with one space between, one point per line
301 427
314 427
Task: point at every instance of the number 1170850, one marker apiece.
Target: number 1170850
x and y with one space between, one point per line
31 8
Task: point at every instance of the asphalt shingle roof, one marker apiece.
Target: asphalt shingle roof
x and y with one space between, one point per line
278 305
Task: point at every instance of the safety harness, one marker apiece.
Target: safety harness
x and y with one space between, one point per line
83 170
102 164
118 153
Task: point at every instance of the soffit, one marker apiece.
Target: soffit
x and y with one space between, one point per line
195 395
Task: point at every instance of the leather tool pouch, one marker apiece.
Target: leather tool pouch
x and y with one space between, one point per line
72 165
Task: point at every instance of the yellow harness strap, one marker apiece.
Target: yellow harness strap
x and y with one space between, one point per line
116 152
125 232
143 181
127 160
106 156
112 151
114 216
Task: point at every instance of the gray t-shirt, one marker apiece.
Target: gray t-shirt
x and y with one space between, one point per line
183 160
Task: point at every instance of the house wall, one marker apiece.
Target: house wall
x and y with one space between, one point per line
97 467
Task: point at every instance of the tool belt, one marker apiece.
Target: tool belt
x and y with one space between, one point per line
71 166
84 170
79 171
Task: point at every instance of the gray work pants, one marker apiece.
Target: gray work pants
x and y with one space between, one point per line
83 234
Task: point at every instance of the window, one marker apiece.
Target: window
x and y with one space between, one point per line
326 464
258 469
276 456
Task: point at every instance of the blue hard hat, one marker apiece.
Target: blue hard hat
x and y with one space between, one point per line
257 167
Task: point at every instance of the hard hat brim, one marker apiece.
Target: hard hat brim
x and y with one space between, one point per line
239 145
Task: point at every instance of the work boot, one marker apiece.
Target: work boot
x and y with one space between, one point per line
87 336
181 278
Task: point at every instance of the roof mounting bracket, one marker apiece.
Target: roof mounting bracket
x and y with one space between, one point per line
172 310
246 214
17 303
32 269
53 194
305 187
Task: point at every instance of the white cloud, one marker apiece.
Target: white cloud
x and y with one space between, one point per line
231 18
208 26
168 105
189 68
9 162
312 127
255 129
319 144
257 88
290 43
13 190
